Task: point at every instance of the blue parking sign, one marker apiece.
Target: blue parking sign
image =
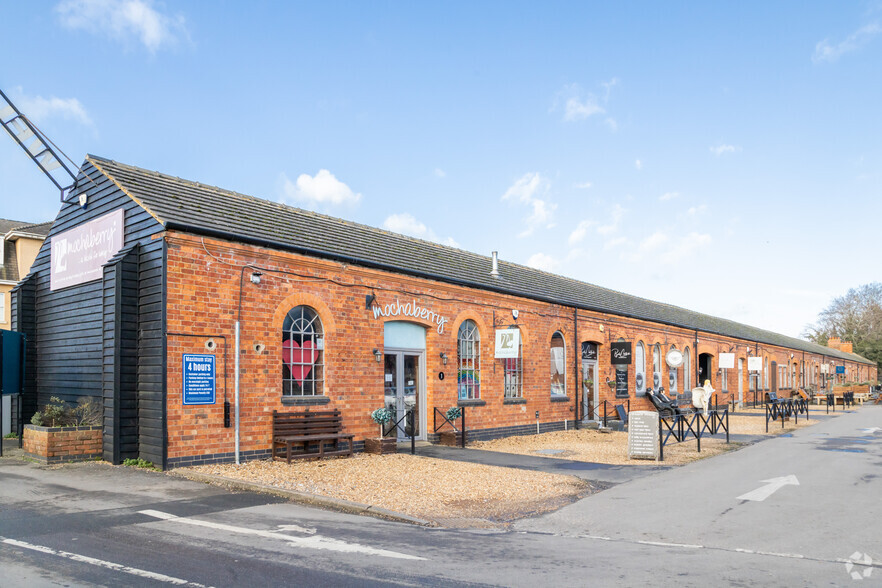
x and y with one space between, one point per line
199 380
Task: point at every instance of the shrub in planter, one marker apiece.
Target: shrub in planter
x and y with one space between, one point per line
381 445
61 433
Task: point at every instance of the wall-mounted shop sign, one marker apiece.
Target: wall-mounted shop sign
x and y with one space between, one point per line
674 358
754 364
727 361
508 343
199 379
411 309
620 353
840 369
589 351
78 254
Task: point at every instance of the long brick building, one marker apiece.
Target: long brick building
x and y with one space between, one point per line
136 294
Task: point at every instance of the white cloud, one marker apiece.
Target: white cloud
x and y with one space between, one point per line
406 224
584 185
696 210
612 124
577 109
638 164
824 51
440 173
123 20
527 190
616 217
578 234
324 188
723 148
667 250
543 262
668 196
684 247
39 109
613 243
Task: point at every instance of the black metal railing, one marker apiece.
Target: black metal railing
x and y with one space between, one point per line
602 413
697 424
446 421
784 408
410 418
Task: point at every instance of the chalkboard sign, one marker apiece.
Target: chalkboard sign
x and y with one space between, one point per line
621 383
643 434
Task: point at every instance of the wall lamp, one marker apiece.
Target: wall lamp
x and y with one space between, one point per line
377 355
255 277
369 300
443 358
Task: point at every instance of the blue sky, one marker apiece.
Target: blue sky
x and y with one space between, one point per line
723 158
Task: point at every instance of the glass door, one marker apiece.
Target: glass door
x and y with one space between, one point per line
403 391
589 389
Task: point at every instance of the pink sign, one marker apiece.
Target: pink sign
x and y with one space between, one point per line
78 254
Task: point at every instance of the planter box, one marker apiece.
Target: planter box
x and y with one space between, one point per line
451 439
381 446
63 444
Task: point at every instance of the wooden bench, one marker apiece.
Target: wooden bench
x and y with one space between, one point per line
308 429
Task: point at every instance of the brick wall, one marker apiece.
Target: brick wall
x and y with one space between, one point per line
62 444
203 289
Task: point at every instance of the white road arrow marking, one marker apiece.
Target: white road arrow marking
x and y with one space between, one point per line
872 430
772 486
313 542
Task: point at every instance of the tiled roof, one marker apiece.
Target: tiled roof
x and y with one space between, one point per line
7 225
9 269
178 203
41 229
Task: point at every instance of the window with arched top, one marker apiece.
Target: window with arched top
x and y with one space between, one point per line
766 375
673 378
512 374
656 366
468 359
687 369
640 369
303 347
558 365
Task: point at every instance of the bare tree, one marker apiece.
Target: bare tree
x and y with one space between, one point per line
854 317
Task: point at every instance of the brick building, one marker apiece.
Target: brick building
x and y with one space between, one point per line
136 295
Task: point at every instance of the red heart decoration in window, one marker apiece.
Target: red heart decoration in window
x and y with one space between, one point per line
299 359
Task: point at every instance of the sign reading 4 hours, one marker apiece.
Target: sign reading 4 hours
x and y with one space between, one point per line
199 380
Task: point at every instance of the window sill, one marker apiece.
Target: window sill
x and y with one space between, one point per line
470 402
304 400
560 398
514 401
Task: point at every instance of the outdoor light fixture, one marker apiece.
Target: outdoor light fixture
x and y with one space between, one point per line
443 358
255 277
377 355
369 301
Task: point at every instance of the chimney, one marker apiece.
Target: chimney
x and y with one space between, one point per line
495 271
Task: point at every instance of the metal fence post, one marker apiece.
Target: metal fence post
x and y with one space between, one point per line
463 428
412 432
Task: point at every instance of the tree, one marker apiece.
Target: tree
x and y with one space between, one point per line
855 317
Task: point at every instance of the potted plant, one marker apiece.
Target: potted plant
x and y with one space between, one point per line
59 433
382 444
452 438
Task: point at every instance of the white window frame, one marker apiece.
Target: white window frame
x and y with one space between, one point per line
305 328
513 374
640 368
468 359
560 388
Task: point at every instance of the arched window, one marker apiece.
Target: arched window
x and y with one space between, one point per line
468 359
558 365
687 370
640 369
673 377
766 375
302 353
656 366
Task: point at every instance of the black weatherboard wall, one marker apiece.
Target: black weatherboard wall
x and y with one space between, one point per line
102 339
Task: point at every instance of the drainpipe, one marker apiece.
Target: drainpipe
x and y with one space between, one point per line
236 391
577 354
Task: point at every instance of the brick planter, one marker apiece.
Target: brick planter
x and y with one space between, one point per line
63 444
381 446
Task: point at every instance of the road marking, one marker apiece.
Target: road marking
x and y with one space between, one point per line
772 486
102 563
664 544
313 542
872 430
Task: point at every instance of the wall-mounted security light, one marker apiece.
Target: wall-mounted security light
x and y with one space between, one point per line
377 355
255 277
443 358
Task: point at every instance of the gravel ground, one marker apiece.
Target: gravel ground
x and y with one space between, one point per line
452 494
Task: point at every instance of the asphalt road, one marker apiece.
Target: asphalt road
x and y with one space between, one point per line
93 525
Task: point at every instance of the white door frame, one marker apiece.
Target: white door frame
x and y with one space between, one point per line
420 383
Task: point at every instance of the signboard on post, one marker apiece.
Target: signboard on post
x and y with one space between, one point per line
643 438
508 343
199 379
754 364
727 361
